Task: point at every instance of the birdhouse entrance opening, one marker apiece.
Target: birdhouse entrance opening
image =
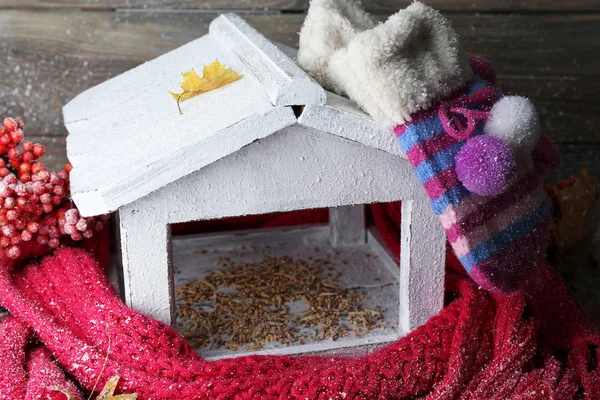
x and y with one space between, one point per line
324 285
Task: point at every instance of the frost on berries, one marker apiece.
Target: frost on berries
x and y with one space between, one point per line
35 204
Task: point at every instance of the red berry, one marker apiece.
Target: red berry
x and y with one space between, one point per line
59 190
76 236
38 150
27 145
53 243
13 252
21 190
81 225
8 230
42 239
10 124
69 229
38 188
33 227
51 220
14 154
72 216
26 236
25 168
25 178
37 167
4 241
53 232
28 157
16 136
46 198
11 215
20 224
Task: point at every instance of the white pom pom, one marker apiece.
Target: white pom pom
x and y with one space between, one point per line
515 121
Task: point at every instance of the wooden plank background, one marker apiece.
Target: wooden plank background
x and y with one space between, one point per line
375 6
51 50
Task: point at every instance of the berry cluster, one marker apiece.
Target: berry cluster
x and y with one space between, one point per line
35 203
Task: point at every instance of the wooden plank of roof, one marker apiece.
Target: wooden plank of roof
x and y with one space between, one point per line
123 131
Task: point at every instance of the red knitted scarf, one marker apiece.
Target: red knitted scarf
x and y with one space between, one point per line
479 347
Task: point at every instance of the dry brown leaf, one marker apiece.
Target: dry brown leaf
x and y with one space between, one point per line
576 204
109 389
105 394
213 76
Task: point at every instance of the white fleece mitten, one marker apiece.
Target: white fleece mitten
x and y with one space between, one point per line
329 26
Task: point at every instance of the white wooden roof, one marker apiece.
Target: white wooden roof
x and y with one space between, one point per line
127 138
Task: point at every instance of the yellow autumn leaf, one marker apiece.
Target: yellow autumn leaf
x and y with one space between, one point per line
105 394
109 389
213 76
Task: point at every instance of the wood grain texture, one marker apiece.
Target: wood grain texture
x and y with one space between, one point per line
245 5
49 57
390 6
375 6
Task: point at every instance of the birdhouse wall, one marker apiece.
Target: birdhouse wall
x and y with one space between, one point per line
296 168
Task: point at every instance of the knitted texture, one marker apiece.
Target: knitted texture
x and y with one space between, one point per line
499 237
480 346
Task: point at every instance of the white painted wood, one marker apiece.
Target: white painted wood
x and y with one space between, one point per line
125 132
297 168
147 267
376 244
343 118
347 226
300 168
363 270
192 157
283 81
422 264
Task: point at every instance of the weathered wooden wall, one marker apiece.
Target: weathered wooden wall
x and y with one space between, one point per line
52 50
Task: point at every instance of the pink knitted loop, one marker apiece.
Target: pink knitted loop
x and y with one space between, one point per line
450 112
454 126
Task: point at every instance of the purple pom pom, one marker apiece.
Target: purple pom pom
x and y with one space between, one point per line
485 165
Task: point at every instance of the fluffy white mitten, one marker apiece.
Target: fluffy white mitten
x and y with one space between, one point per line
329 26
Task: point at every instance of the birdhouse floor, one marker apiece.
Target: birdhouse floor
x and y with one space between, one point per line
367 270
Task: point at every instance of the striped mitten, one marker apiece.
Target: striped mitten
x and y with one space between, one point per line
478 154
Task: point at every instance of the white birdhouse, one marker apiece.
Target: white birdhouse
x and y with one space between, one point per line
272 141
